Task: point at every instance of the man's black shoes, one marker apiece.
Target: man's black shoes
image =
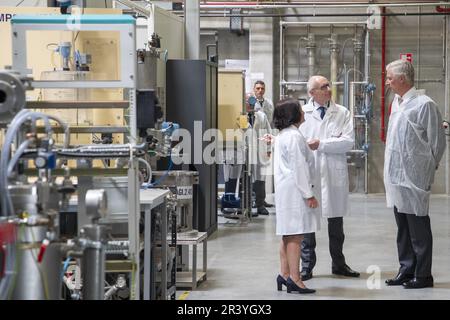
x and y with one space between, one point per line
419 283
345 271
399 279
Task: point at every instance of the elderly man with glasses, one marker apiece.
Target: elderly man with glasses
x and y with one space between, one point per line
328 129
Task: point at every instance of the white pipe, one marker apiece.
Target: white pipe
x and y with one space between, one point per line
311 53
17 156
299 23
334 53
367 60
281 62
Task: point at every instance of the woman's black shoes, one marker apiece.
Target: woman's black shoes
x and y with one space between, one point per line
293 287
280 282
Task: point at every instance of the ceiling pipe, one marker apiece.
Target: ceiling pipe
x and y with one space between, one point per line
281 15
440 9
273 5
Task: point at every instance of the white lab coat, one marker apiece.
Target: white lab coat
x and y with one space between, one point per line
258 149
266 107
414 146
294 177
336 136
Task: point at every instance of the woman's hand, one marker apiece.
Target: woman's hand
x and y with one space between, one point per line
268 138
312 202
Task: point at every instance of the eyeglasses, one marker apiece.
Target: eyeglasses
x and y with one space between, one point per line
325 86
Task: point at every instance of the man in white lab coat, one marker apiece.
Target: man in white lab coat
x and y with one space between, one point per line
328 128
414 146
259 151
265 106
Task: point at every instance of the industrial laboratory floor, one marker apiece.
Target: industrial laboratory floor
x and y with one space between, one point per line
243 260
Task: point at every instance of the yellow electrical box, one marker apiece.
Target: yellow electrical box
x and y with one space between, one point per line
231 95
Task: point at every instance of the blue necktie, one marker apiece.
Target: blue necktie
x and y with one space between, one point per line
322 112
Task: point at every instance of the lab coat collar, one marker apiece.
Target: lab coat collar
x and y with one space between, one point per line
311 107
411 93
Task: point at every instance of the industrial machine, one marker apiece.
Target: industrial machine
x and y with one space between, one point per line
44 249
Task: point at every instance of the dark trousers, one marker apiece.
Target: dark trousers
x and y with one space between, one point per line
336 243
259 188
414 244
230 186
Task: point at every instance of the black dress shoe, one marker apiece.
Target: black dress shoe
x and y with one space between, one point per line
293 287
345 271
268 205
306 275
418 283
399 279
262 211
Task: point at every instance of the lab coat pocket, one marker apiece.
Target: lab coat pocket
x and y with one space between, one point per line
339 173
395 173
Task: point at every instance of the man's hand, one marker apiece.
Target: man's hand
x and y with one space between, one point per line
314 144
312 202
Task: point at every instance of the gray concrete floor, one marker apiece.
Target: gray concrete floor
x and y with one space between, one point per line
243 260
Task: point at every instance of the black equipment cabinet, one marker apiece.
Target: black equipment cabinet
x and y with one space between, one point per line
191 95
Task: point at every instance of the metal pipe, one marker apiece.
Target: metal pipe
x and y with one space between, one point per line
93 262
446 102
418 44
277 5
366 160
315 23
346 90
444 45
334 53
316 15
310 52
306 82
281 62
440 9
357 49
383 75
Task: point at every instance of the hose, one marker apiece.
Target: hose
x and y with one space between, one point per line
149 169
17 156
17 122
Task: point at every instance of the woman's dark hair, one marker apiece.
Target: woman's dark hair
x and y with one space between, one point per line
286 113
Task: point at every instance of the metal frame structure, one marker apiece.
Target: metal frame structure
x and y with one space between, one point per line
126 26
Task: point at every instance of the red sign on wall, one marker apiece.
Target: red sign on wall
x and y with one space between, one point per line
406 56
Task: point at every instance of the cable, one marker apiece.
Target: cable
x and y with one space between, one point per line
20 3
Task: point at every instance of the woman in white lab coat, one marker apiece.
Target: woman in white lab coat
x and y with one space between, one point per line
295 200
